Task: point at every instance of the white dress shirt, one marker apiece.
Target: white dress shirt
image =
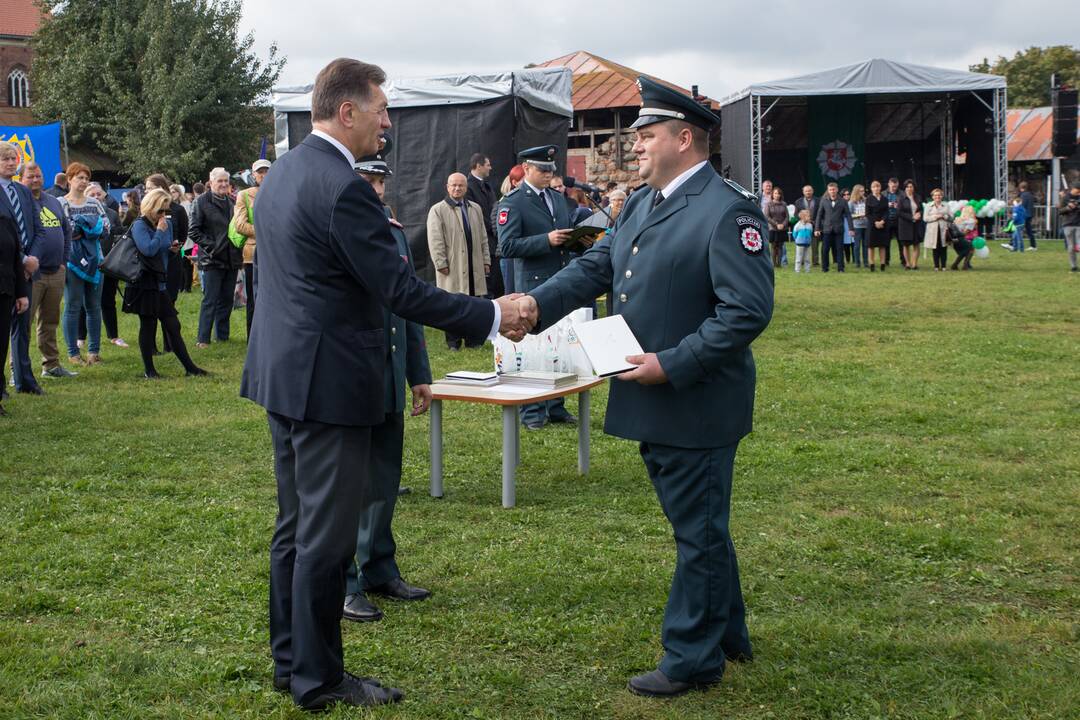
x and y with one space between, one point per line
672 186
352 161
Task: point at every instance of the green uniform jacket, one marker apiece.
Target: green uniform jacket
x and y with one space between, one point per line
406 352
693 284
523 223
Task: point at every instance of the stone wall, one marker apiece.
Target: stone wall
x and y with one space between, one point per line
601 168
13 54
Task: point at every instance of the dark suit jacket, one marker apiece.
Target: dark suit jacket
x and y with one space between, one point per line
523 231
694 294
830 216
812 206
481 193
12 278
30 214
327 265
907 226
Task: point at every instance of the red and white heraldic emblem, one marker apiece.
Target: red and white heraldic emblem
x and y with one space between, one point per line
504 215
751 240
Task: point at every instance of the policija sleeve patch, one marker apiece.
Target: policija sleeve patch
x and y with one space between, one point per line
504 215
750 234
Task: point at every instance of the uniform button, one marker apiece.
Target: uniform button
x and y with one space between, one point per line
634 251
393 348
622 297
536 277
393 331
629 274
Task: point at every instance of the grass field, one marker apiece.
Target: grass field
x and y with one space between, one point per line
907 514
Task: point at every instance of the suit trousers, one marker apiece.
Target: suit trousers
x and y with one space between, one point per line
322 477
45 302
374 564
218 286
705 618
22 372
7 307
832 241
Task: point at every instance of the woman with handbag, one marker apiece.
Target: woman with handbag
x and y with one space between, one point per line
147 296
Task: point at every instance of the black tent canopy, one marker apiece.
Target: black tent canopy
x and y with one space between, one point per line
439 122
871 120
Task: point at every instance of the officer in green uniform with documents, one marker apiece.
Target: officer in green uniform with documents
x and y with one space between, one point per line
690 278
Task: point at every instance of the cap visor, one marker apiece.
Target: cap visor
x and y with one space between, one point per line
648 120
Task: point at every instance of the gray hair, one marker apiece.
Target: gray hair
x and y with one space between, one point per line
95 185
219 172
616 195
9 148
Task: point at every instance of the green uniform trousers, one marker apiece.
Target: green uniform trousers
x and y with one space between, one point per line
705 618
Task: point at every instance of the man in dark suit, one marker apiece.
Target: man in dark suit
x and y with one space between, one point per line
691 280
328 265
375 570
832 211
17 202
534 225
481 193
809 202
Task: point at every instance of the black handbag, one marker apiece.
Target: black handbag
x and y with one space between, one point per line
124 261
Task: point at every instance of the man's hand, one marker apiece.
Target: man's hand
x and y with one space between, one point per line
649 371
30 265
514 325
817 233
487 269
558 237
444 271
421 399
529 309
21 305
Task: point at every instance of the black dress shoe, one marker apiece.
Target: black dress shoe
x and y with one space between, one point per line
196 372
403 490
359 609
535 425
398 589
355 691
151 376
282 683
36 390
657 684
567 418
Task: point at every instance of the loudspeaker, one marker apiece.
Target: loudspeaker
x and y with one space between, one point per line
1063 140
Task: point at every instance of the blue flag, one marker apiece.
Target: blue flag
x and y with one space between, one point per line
39 143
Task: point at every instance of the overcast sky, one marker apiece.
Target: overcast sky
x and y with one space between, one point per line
720 46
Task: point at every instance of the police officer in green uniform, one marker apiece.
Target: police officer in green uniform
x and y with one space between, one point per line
690 278
533 224
374 569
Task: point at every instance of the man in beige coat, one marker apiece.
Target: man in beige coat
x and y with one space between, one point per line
458 245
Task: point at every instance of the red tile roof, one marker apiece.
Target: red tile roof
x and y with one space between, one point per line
1029 131
19 18
599 83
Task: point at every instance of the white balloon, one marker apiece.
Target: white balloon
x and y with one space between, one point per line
983 252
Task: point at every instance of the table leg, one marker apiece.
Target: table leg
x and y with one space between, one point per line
583 432
436 449
509 454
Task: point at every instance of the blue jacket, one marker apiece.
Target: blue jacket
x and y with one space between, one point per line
693 284
1019 214
153 244
328 265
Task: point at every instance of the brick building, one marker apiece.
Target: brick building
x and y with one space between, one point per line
20 20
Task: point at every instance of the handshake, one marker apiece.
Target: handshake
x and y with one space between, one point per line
520 314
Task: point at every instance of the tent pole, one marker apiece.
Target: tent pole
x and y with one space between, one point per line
63 133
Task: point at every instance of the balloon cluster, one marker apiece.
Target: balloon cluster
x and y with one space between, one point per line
983 208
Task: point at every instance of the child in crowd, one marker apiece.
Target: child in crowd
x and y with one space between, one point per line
803 234
969 225
1019 219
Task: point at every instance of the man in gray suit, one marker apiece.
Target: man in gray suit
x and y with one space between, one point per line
691 280
328 265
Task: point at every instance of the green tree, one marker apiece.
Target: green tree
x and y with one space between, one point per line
161 85
1029 72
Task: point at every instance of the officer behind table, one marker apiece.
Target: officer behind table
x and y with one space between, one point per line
533 224
374 569
693 284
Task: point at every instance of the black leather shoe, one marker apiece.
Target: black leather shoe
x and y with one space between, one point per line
398 589
282 683
196 372
567 418
403 490
657 684
535 425
359 609
36 390
355 691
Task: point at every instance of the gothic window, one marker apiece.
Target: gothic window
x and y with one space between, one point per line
18 86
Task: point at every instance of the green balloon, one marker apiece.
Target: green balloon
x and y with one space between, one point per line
978 243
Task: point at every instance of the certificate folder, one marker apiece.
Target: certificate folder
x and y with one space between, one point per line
607 342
